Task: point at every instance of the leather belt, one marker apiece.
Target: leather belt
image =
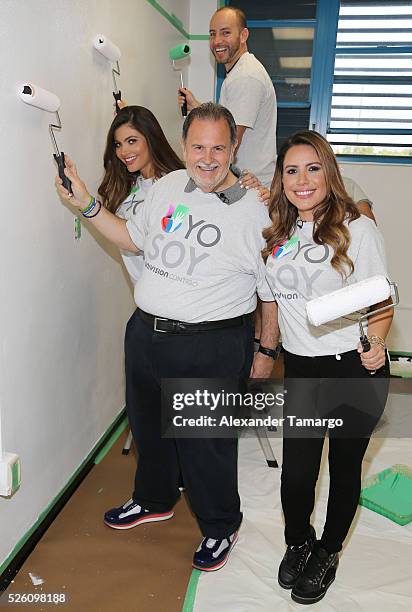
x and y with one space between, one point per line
172 326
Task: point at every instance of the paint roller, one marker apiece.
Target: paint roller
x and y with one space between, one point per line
178 53
351 299
112 53
45 100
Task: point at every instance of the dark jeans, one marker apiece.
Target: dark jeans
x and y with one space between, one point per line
347 445
208 466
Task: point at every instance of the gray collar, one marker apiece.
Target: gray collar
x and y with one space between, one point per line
228 196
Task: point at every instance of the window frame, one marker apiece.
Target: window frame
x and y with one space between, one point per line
322 75
328 80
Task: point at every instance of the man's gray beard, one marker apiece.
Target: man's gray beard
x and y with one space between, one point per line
212 188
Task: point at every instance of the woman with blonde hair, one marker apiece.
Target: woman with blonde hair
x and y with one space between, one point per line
318 243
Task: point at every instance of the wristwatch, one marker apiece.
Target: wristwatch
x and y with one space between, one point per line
274 353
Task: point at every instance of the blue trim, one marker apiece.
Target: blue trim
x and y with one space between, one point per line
376 30
370 94
363 50
220 77
347 79
323 63
282 23
377 131
377 159
293 104
390 51
376 17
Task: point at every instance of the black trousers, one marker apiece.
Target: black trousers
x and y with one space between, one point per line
208 466
359 399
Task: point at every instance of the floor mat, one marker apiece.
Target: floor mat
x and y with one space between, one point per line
375 566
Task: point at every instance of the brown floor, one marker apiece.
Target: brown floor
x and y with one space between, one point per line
145 569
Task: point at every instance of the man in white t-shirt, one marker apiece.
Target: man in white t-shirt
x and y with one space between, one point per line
247 92
201 235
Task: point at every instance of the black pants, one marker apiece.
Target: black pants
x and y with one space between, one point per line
208 466
347 445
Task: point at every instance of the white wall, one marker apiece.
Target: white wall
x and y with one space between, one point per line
388 186
202 65
64 304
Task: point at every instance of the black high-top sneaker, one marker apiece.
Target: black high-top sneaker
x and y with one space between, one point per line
294 561
316 578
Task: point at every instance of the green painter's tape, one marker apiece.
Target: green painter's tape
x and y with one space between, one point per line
115 436
189 601
171 18
176 22
43 514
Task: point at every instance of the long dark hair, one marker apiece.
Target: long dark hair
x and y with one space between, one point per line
118 181
329 216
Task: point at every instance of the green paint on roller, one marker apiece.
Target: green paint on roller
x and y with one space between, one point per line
179 52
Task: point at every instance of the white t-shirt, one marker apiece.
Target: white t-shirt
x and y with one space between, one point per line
354 191
300 271
202 256
248 93
126 210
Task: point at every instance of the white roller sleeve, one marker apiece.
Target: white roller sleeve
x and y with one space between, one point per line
107 48
347 300
36 96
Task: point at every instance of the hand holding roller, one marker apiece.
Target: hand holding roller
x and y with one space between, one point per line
350 299
175 54
45 100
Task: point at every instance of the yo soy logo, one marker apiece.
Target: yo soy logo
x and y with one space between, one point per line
174 218
285 247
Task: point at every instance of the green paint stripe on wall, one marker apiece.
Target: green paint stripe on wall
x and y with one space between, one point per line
176 22
171 18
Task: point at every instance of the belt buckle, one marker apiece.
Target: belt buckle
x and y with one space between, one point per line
156 319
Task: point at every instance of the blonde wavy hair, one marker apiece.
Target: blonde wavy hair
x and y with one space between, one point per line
329 216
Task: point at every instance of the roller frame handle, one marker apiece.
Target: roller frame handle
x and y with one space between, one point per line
184 106
117 95
61 166
366 345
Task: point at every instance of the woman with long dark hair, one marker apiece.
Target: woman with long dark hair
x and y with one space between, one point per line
318 243
137 154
